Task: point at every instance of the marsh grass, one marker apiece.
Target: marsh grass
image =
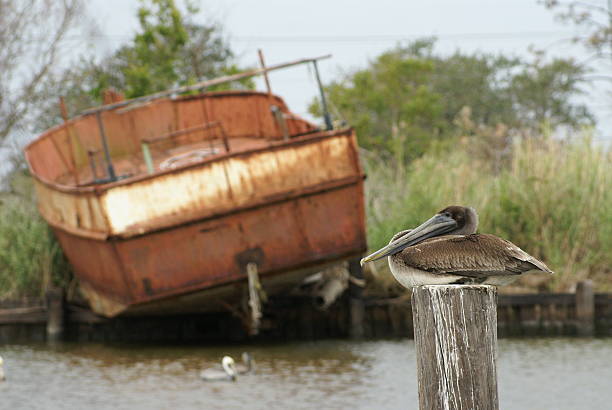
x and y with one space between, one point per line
30 258
552 198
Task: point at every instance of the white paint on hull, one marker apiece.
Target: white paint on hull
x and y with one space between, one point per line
221 186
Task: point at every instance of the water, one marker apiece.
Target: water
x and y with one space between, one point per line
532 374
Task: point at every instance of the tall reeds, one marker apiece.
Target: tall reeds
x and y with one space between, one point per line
552 198
30 257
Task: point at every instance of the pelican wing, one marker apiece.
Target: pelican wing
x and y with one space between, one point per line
477 255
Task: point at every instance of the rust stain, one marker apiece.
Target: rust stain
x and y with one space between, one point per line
254 255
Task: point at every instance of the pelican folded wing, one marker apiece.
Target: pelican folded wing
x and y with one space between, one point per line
476 256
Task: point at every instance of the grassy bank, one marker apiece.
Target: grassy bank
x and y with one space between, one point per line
30 257
551 198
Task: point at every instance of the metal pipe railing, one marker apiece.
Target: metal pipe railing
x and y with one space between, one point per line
203 84
195 87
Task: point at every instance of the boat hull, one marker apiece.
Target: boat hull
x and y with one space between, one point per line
174 239
207 259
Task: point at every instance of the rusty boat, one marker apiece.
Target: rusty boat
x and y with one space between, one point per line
160 203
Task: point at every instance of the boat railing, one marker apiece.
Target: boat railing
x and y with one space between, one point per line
125 105
281 120
92 154
145 143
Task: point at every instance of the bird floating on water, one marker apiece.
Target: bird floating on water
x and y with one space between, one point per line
228 373
247 365
447 250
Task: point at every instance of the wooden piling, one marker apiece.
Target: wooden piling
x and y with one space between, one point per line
585 308
55 313
455 333
357 308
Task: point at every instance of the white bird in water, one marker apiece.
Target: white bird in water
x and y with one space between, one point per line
2 376
447 250
248 364
228 373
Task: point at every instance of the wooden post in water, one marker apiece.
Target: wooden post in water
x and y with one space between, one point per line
455 332
585 308
55 314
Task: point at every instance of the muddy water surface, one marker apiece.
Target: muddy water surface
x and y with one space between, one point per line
533 374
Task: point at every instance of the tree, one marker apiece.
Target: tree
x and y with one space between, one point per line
410 98
477 81
150 63
391 103
543 94
523 95
595 18
169 50
33 34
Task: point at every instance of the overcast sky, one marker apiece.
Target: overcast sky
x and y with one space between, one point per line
355 31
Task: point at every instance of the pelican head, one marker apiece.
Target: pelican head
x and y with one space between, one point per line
452 220
229 366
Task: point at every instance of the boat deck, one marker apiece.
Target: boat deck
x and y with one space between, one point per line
164 156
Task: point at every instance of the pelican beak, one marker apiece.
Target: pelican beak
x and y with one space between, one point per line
437 225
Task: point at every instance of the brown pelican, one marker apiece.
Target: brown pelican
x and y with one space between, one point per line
446 250
228 373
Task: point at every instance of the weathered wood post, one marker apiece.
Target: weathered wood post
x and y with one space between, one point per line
455 332
585 308
55 313
356 307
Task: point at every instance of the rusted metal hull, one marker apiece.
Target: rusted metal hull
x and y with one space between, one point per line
295 236
179 240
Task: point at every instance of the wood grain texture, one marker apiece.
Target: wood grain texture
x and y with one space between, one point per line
56 313
455 332
585 308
